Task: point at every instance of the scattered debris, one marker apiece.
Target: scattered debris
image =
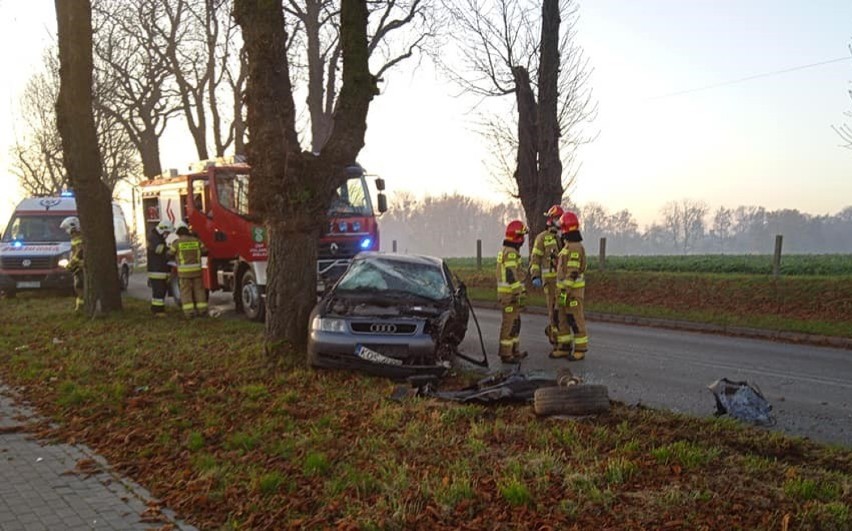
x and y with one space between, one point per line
742 401
502 387
57 341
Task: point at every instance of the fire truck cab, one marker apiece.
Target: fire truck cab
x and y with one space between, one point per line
213 200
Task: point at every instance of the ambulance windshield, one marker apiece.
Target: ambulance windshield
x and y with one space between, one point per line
35 228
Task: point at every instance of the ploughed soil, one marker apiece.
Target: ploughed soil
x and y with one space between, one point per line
194 412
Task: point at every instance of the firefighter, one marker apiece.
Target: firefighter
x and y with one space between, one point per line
158 266
187 251
510 291
571 283
543 261
76 263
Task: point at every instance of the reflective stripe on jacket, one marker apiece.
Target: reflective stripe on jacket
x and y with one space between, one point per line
158 266
77 256
509 272
545 255
187 251
572 266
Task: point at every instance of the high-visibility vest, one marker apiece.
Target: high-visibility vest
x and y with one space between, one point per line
509 275
545 256
187 251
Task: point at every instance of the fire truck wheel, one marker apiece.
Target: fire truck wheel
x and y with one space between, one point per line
252 302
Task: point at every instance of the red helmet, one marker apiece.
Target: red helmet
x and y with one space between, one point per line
569 222
515 231
553 215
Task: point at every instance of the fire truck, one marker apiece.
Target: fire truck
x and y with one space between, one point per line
213 199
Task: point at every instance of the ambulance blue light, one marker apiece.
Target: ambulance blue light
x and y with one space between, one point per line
67 193
366 243
17 244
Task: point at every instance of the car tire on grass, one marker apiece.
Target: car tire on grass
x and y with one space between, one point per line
580 399
253 305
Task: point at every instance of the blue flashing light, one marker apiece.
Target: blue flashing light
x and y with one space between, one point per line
341 226
366 243
356 227
17 244
67 193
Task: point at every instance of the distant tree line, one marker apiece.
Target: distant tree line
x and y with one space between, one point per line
449 225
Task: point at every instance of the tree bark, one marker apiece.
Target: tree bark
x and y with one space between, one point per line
149 152
76 124
549 189
526 171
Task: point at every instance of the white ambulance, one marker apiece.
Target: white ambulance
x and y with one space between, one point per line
34 250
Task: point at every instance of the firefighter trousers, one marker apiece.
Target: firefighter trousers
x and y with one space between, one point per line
572 328
159 287
193 297
550 295
510 331
79 289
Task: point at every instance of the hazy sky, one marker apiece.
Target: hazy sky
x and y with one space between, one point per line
765 142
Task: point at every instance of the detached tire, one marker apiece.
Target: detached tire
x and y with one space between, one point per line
578 399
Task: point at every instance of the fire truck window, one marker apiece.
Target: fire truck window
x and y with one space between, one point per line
232 191
201 196
351 199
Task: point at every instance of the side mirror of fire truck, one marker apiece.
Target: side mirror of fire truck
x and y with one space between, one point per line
383 203
380 184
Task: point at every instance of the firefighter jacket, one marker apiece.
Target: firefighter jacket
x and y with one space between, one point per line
510 276
545 256
158 266
75 260
187 250
570 271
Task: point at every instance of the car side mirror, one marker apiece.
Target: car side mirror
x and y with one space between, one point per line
380 184
383 203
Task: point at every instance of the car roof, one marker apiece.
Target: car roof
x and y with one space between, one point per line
404 258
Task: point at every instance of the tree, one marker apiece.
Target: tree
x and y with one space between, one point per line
292 189
133 76
37 152
844 130
76 124
684 223
506 50
722 229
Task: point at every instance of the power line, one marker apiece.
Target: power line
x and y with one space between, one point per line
749 78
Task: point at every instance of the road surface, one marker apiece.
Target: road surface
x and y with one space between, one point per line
809 387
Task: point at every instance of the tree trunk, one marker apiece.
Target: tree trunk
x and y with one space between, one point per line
149 152
291 280
526 172
76 124
549 190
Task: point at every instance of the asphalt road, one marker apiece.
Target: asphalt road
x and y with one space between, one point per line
809 387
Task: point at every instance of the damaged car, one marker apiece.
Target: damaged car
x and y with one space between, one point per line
390 315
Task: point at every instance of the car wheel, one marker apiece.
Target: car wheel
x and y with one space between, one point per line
124 278
252 303
578 399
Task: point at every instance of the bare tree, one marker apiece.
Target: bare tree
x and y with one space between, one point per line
844 130
508 47
291 189
37 152
398 30
76 124
722 229
133 76
684 222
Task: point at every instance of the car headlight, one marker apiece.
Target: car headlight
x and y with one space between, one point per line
63 262
320 324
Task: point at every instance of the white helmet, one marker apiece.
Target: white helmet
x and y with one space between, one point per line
181 225
164 226
70 224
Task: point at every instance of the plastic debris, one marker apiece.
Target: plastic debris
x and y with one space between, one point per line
742 401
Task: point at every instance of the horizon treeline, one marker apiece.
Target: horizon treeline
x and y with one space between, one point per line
448 225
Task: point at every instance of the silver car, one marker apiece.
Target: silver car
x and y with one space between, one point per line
391 315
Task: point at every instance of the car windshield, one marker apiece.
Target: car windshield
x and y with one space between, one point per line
351 199
395 278
35 228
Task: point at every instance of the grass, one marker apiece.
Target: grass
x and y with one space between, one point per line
227 441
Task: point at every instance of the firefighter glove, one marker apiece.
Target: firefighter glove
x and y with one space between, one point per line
536 282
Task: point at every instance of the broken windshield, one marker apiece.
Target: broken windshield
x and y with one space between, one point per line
395 278
351 199
36 229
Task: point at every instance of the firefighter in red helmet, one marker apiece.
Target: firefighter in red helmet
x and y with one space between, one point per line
543 261
571 283
511 292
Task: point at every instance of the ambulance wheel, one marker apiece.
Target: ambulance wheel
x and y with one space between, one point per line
124 278
250 298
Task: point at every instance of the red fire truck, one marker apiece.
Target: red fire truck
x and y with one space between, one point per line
213 199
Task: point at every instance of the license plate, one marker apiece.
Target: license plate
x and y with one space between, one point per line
26 284
371 355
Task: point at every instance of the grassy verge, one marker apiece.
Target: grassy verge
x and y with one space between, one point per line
811 305
191 411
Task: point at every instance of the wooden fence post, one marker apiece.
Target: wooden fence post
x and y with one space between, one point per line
602 257
479 254
394 246
776 260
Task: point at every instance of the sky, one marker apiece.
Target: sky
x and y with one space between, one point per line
767 141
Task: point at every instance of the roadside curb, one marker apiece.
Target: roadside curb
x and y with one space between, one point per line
707 328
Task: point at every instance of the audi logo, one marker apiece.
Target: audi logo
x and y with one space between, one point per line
383 328
27 262
334 248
